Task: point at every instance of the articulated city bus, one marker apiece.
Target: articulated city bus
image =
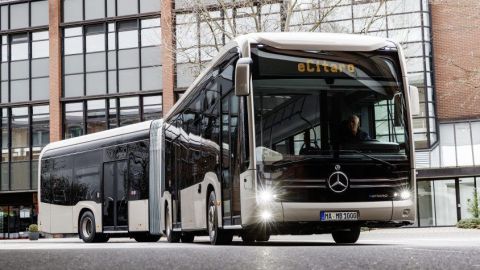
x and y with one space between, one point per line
99 185
291 133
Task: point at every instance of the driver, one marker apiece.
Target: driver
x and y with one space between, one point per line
307 148
353 133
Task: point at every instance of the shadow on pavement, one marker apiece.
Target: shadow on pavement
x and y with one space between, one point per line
289 244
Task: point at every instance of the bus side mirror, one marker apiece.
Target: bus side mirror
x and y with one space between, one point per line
414 100
242 76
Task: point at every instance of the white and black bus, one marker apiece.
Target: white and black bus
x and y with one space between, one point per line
99 185
291 133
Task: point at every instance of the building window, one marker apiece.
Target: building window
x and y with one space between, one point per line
25 64
25 131
152 107
30 13
96 116
5 182
73 10
437 200
121 57
129 111
73 120
90 116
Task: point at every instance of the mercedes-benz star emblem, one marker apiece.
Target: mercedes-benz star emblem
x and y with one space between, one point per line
338 182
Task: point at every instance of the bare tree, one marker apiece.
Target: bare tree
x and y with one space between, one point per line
206 25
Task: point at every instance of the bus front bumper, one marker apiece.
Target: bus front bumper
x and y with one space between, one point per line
378 213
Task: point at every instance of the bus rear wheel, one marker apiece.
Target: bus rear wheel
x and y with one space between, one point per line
217 235
349 236
187 237
87 230
172 237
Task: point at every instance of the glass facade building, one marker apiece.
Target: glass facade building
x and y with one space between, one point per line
92 65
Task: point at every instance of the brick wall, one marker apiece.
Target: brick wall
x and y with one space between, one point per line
55 71
456 43
168 59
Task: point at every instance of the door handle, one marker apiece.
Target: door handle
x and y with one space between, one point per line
199 188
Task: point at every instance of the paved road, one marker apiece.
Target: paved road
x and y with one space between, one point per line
434 248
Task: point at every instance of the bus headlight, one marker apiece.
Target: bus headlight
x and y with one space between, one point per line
266 196
266 215
405 194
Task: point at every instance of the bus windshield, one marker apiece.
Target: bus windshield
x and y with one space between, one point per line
328 105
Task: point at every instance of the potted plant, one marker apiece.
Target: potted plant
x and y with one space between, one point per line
33 233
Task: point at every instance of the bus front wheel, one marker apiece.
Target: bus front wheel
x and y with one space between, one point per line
87 229
349 236
217 235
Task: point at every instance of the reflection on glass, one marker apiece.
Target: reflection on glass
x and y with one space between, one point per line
127 35
20 176
72 10
5 135
40 129
73 120
426 203
5 182
20 134
40 48
19 16
445 202
19 47
96 120
95 39
129 113
447 145
152 107
464 144
94 9
467 186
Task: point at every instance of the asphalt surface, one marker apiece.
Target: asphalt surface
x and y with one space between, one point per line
412 248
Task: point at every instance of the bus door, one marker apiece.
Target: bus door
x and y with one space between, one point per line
115 205
230 160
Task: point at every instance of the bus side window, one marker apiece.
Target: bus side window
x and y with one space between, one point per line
46 181
87 176
138 170
62 176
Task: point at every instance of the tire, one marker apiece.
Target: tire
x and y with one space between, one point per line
172 237
248 237
346 237
102 238
263 237
187 237
146 237
86 229
217 236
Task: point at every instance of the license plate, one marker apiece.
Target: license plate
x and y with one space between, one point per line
338 216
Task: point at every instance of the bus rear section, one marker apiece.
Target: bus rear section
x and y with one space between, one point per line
97 186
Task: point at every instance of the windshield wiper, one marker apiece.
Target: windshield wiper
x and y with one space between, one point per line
381 161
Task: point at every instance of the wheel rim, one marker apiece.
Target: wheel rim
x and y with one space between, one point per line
212 209
87 227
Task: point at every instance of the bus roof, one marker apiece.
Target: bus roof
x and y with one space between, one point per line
308 41
133 130
318 41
